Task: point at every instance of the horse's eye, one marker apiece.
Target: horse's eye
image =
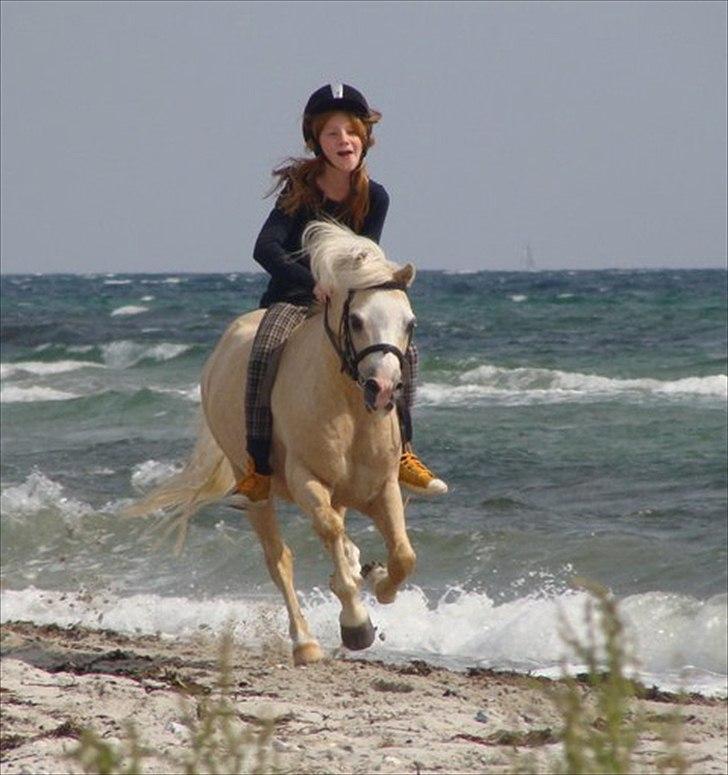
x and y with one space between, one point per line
356 322
412 325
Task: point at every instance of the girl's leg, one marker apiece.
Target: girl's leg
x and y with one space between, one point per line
275 328
410 375
413 474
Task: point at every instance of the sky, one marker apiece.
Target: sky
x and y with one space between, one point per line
140 136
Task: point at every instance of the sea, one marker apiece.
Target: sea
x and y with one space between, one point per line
579 418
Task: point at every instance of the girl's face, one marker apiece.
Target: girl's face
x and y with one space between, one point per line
340 142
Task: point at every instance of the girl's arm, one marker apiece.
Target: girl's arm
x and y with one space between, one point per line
272 256
378 206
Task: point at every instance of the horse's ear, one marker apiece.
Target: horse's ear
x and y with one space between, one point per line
405 275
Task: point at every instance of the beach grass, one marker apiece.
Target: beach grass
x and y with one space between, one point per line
600 709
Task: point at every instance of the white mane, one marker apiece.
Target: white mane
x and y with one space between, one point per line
342 260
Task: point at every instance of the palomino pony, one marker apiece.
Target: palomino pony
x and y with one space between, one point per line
336 438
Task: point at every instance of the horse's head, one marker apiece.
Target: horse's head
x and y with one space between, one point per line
369 320
377 324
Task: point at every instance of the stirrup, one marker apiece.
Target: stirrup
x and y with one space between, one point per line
417 477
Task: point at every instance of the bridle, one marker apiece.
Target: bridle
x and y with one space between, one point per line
344 344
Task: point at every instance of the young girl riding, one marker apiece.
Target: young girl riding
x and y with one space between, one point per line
337 128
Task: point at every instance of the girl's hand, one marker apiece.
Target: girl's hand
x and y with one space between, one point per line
321 293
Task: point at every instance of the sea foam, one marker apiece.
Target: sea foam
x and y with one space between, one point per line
192 393
43 367
151 473
129 309
679 642
532 385
12 394
124 353
39 493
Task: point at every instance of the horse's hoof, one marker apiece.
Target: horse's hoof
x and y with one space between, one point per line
358 638
307 654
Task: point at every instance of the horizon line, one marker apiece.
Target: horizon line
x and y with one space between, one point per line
262 273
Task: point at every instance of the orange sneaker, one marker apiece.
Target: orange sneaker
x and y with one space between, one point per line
253 486
416 476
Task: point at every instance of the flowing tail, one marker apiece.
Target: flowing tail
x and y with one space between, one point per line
207 477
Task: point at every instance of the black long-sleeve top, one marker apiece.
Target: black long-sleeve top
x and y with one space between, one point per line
279 241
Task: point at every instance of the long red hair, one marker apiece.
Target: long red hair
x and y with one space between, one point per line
296 176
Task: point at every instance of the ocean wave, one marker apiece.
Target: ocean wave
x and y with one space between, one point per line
44 367
39 493
117 282
123 354
548 379
129 309
532 385
192 393
679 642
151 473
13 394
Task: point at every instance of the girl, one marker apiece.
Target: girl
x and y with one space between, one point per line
337 128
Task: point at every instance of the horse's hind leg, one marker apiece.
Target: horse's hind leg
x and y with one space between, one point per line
315 499
387 512
279 559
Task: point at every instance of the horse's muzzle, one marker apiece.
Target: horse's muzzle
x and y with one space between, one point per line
378 394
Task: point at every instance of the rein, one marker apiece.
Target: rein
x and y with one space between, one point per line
349 357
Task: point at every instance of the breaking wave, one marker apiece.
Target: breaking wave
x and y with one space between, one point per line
531 385
679 642
151 473
37 494
130 309
42 368
12 394
124 353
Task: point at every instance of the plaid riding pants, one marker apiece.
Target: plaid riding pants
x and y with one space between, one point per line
276 326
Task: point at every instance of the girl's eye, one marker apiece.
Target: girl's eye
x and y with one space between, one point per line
356 322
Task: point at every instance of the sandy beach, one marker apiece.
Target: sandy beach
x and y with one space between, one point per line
339 716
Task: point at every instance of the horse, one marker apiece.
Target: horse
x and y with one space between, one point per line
337 440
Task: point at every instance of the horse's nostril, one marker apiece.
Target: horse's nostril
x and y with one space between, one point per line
371 386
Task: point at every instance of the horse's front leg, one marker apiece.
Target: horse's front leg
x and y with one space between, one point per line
387 511
314 498
279 560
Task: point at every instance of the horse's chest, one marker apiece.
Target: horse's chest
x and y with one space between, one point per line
356 461
354 452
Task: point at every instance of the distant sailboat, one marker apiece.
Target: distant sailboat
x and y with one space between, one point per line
528 261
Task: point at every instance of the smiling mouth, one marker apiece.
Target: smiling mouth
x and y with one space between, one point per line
345 153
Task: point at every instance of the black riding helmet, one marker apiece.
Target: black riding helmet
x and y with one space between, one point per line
334 96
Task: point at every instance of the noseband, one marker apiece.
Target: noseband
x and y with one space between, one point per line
344 344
